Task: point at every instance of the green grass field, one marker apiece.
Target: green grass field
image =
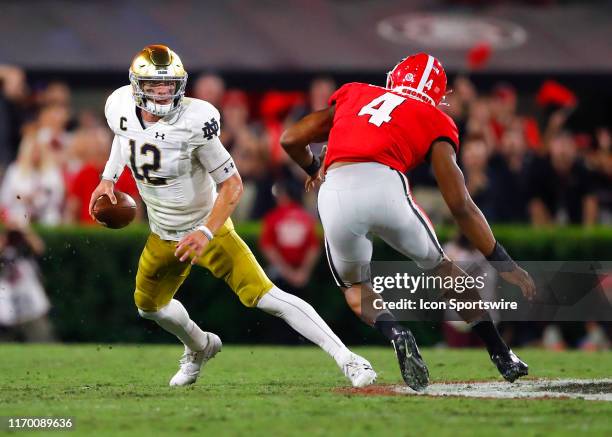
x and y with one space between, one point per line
122 390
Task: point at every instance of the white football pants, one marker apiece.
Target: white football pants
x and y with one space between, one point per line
359 200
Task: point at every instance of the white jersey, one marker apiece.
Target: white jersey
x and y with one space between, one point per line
176 162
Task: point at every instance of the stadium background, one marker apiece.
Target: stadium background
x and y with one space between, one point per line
60 67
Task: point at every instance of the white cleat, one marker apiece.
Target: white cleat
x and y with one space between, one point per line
359 371
191 362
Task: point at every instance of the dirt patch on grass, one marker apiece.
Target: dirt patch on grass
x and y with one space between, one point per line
372 390
588 389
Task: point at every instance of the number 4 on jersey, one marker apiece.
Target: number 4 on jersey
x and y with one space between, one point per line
380 108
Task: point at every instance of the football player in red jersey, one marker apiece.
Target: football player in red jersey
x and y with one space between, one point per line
374 136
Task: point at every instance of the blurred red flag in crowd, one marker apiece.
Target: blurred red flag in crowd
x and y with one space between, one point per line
478 56
553 93
276 104
273 108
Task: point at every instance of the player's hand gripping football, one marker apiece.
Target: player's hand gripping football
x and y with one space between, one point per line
313 181
522 279
104 188
192 245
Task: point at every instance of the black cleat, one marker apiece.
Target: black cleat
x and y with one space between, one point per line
413 368
510 366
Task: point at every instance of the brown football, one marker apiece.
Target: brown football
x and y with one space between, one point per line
115 216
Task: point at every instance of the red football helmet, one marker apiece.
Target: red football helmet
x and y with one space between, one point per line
419 76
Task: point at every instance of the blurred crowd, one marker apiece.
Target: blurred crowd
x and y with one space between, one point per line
520 165
51 155
526 166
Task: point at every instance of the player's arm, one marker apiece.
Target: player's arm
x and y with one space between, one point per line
116 163
470 219
220 165
113 169
313 128
229 194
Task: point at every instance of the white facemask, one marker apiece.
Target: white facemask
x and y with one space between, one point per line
157 108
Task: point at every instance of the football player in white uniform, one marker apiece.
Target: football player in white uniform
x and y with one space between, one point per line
191 186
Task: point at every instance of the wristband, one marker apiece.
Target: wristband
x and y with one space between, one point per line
500 259
314 167
113 179
204 229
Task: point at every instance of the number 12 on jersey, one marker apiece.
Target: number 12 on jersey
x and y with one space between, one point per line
380 108
142 173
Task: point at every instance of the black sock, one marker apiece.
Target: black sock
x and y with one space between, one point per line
388 326
489 334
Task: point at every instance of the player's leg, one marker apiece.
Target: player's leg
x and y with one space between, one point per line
506 361
228 257
350 203
159 276
406 229
302 317
344 212
409 232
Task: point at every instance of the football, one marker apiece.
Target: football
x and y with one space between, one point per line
115 216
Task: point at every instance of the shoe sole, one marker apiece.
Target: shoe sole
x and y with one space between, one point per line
216 343
412 367
516 375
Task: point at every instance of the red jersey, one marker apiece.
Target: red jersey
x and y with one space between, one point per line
374 124
290 230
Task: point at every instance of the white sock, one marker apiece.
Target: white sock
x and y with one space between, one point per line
175 319
302 317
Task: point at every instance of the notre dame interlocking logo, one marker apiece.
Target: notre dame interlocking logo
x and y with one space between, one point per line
211 129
